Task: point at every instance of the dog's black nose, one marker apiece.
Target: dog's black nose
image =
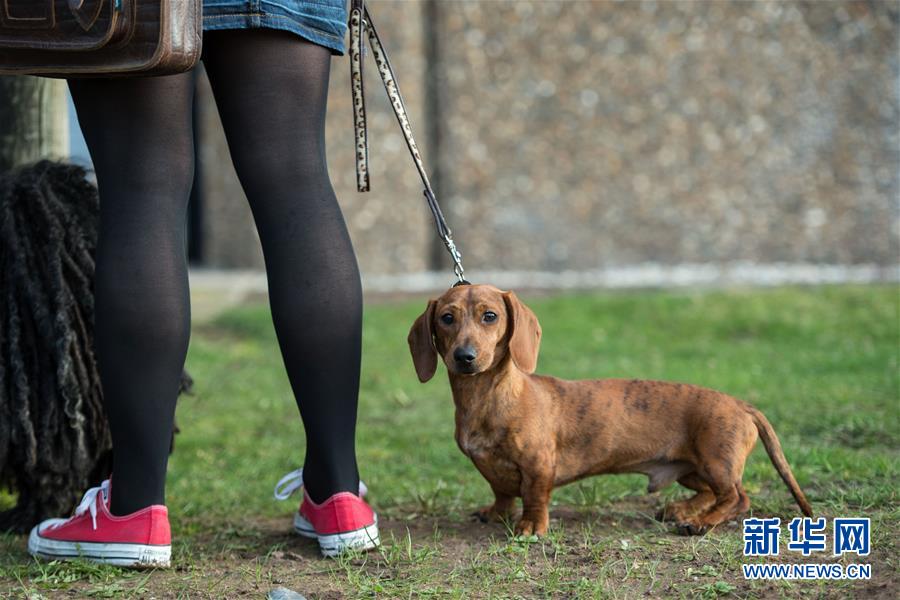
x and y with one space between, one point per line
465 355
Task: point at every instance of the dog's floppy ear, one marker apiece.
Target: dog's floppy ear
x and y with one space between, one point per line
524 333
421 344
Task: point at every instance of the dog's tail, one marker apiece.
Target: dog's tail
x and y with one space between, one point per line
773 449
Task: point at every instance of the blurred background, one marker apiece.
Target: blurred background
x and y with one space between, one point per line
588 143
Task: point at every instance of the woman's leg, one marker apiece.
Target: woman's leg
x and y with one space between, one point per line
271 88
138 132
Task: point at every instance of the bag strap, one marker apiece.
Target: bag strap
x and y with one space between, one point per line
360 21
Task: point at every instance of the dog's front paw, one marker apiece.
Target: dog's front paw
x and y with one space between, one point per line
491 514
528 526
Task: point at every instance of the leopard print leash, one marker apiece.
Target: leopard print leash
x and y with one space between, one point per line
360 22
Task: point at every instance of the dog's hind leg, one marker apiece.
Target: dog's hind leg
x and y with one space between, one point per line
726 501
722 452
743 503
722 482
700 502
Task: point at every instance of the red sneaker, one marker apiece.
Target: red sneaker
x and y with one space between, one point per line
343 522
141 539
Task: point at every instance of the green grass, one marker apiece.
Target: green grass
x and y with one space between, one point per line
822 363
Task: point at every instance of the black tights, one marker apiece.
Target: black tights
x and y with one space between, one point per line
271 89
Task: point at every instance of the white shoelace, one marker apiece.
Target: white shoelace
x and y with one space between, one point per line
89 501
293 481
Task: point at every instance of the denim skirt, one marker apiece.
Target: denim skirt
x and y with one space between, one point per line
323 22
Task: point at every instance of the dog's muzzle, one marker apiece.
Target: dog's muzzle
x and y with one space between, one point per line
465 356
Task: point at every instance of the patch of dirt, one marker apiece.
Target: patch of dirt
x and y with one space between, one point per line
617 548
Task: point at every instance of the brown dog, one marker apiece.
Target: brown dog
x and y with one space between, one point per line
530 433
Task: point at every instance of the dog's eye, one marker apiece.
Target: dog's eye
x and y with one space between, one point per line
489 317
447 319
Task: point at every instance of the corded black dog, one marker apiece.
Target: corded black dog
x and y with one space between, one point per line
54 436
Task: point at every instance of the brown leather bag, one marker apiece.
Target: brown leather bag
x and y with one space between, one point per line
83 38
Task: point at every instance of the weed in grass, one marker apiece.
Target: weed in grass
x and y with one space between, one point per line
717 589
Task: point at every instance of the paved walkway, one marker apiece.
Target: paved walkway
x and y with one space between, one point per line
214 290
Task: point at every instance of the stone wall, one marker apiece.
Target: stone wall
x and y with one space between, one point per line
583 135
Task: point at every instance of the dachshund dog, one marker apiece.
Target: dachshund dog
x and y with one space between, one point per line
529 433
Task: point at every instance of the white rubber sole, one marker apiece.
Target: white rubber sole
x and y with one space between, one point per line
336 543
119 554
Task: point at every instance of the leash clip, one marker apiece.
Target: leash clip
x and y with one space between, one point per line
457 260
